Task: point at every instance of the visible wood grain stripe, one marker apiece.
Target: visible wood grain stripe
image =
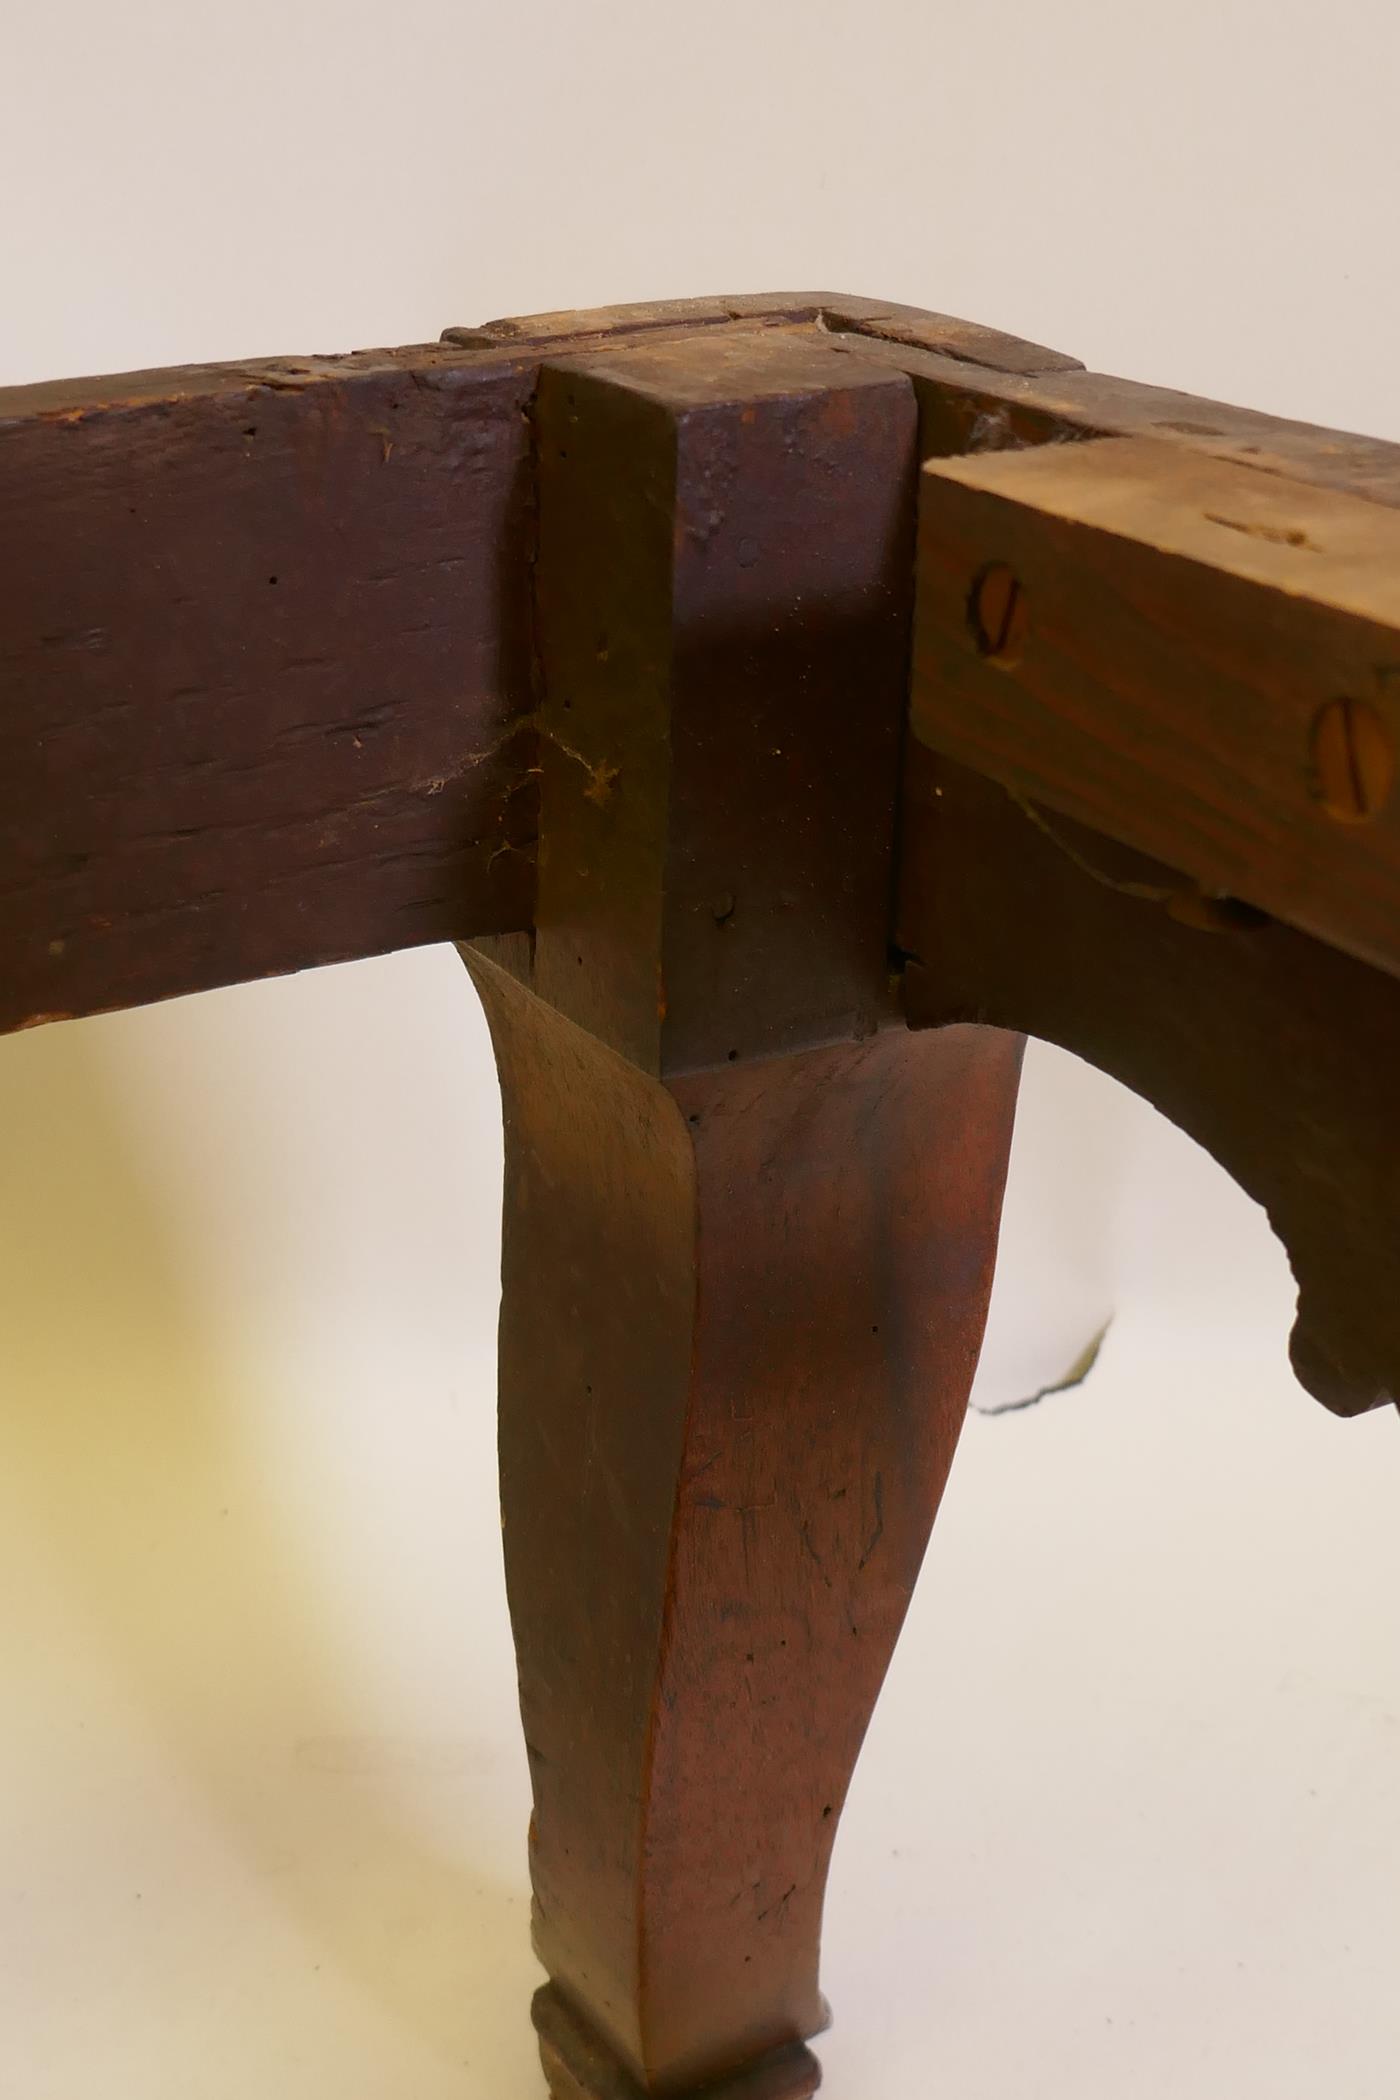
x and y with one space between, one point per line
264 662
834 312
1183 628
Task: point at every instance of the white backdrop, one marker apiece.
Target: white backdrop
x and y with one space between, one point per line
1129 1819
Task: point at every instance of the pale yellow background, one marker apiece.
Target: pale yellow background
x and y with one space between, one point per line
1129 1823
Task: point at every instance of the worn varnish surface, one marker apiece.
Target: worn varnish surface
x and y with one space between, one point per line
1182 624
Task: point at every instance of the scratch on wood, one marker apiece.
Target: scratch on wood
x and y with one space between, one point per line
809 1548
1149 892
879 1532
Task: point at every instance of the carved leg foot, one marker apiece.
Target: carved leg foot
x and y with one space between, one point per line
579 2065
741 1314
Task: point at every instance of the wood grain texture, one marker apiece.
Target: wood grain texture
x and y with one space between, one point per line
722 600
1275 1051
968 341
965 409
263 658
592 326
837 312
1183 625
740 1317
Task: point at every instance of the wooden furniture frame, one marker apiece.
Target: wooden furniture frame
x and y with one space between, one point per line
787 704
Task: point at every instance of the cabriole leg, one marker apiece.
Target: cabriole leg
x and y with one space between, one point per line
741 1314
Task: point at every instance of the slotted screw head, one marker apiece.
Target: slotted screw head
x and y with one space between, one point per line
997 612
1353 759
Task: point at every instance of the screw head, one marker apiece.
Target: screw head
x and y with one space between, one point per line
997 613
1353 760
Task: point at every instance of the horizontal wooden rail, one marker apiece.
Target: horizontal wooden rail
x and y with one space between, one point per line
965 406
1199 660
267 670
264 658
266 664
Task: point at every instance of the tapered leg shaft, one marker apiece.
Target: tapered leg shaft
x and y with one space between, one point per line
741 1314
